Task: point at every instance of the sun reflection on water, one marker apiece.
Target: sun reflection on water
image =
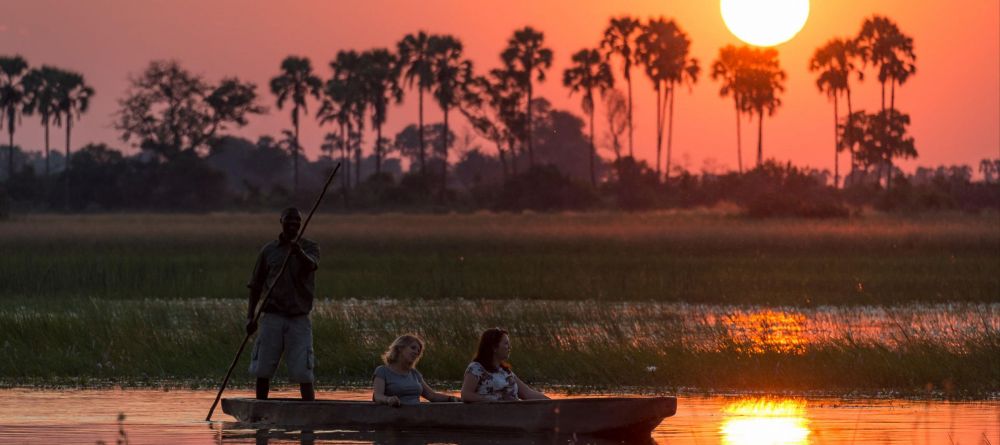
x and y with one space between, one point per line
768 331
765 421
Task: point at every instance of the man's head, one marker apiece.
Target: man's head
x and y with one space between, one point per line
291 221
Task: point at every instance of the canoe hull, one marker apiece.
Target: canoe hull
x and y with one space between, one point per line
613 417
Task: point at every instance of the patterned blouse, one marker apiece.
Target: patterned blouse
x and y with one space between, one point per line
498 385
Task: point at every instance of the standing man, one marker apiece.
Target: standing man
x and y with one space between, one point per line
284 325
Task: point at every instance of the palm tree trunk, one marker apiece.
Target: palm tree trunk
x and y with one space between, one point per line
888 123
503 160
69 128
357 166
69 131
670 130
836 146
739 149
420 130
629 79
593 149
378 149
47 170
850 122
513 156
343 159
883 96
444 151
357 159
531 145
347 150
892 94
659 128
10 148
760 138
295 152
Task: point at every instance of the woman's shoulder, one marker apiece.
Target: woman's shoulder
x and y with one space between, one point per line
380 371
476 369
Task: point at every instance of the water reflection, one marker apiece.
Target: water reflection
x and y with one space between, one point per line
235 434
768 331
765 421
175 417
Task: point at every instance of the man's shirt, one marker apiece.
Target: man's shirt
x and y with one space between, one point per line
293 294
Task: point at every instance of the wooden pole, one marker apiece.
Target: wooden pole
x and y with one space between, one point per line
267 293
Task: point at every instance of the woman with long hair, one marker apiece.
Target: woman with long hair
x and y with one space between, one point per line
489 377
398 382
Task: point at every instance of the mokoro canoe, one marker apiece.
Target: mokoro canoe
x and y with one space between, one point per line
609 417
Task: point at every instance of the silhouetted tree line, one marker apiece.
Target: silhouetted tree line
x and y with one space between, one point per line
541 158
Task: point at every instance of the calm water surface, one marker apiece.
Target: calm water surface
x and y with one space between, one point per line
152 416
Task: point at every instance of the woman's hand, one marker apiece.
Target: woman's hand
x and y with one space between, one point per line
390 400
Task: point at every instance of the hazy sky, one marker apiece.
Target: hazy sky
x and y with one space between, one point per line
954 99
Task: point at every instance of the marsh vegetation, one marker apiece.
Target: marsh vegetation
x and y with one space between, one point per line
665 300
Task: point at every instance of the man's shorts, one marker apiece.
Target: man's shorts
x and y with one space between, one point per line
277 334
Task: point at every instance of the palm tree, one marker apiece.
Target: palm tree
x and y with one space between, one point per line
74 100
526 57
415 59
765 79
42 88
335 107
381 77
835 63
506 96
331 143
882 44
663 49
618 39
452 75
296 82
351 90
12 99
730 68
589 71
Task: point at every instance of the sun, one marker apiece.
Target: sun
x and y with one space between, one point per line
765 22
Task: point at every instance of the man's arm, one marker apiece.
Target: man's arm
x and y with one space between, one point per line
252 306
308 253
251 311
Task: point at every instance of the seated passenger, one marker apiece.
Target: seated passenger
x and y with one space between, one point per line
489 377
398 382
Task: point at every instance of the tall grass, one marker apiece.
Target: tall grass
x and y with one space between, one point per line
692 257
908 348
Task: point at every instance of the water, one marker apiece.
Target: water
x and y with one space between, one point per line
175 417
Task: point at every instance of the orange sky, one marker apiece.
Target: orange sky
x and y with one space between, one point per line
954 99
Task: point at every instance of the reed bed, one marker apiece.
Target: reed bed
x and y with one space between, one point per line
592 344
695 257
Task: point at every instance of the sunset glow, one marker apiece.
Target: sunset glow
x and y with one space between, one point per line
949 127
765 22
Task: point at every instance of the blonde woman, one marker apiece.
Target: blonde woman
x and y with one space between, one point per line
398 382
